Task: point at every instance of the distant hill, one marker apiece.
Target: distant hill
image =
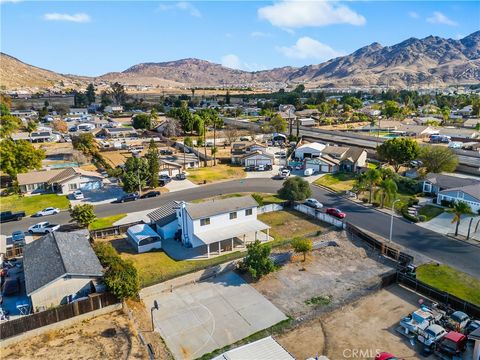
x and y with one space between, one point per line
15 74
413 62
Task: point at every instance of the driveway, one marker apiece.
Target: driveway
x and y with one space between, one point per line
199 318
179 185
105 195
442 224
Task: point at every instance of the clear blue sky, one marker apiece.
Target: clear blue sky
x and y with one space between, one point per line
95 37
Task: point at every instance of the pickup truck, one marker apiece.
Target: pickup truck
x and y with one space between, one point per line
11 216
43 228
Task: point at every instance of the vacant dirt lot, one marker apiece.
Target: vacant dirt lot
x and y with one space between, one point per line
368 325
342 273
105 337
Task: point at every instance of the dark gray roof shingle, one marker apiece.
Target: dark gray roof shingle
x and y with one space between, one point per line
449 181
165 214
57 254
220 206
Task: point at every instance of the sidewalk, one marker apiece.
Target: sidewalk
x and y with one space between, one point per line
442 224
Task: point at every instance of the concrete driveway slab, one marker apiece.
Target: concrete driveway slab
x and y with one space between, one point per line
442 224
199 318
178 185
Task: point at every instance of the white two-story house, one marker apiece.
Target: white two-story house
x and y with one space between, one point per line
216 225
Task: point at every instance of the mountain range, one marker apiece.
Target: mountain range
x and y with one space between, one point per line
414 62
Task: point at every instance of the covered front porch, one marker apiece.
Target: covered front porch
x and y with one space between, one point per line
217 242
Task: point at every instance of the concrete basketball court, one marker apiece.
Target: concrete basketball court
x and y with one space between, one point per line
199 318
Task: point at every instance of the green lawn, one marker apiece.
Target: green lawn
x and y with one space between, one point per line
430 211
288 224
267 198
450 280
156 266
32 204
337 182
271 199
108 221
215 173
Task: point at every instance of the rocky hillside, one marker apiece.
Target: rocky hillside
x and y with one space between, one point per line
429 61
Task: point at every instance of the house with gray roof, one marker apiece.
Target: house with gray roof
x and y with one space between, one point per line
60 266
212 226
469 194
434 183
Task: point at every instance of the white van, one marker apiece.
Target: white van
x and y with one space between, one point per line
308 172
455 145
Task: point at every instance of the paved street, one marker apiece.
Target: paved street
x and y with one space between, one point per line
461 255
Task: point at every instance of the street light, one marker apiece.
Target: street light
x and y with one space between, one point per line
154 307
391 220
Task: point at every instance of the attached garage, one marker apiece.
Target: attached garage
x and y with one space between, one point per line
257 158
91 185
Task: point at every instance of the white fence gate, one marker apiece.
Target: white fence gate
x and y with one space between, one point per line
320 215
269 208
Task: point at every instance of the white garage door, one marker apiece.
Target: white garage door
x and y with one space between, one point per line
264 162
324 168
91 185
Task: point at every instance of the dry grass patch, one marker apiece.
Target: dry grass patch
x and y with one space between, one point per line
288 224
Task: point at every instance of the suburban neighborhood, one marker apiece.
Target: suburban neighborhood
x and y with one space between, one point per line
320 206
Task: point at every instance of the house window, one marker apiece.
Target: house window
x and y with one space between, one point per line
72 186
233 215
205 221
248 212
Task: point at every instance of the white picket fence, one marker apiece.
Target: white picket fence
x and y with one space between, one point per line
320 215
269 208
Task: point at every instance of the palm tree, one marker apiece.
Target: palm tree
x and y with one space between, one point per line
387 190
372 177
361 184
216 121
459 208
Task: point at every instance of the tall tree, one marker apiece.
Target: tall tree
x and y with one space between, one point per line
142 121
118 93
60 126
227 97
257 261
31 126
153 163
295 189
459 208
398 151
277 124
437 159
19 157
372 178
8 125
83 214
136 174
231 134
90 93
387 189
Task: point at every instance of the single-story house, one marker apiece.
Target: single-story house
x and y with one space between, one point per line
265 349
256 158
78 111
24 113
120 132
36 137
164 220
469 194
143 238
62 181
169 168
309 150
59 266
189 161
113 109
307 121
471 123
459 133
434 183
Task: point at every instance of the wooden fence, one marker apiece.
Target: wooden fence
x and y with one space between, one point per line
51 316
112 230
402 258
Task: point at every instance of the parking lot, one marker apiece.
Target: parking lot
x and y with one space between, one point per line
199 318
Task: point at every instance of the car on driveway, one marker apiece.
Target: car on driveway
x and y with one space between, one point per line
78 195
180 176
336 213
43 228
48 211
128 197
313 203
150 194
18 236
164 179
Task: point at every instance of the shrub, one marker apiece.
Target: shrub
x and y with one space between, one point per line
422 218
83 214
447 203
364 200
375 204
258 262
406 185
295 189
302 245
413 201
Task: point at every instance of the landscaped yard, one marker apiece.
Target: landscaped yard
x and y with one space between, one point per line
288 224
450 280
215 173
430 211
338 182
106 221
32 204
156 266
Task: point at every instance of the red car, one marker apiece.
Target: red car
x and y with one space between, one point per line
336 212
385 356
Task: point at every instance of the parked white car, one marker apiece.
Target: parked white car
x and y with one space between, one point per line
314 203
48 211
284 173
43 228
432 334
455 145
78 195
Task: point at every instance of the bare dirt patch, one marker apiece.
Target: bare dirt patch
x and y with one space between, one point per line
341 273
109 336
367 324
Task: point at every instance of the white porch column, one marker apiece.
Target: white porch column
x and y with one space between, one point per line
219 247
208 250
232 243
